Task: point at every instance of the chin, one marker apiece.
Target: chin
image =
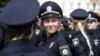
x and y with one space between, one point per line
90 28
51 32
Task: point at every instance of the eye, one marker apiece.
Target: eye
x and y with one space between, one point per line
54 20
89 21
46 20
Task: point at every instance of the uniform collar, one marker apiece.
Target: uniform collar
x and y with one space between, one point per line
46 37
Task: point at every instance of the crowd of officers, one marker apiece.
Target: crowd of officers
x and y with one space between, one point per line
28 29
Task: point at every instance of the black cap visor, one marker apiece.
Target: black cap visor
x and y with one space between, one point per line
50 14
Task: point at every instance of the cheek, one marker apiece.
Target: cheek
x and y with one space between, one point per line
89 24
93 24
56 24
45 25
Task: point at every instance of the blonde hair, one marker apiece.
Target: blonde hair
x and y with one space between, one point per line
86 37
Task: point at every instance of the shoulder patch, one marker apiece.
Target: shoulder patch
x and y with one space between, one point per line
70 35
37 32
64 50
96 42
75 42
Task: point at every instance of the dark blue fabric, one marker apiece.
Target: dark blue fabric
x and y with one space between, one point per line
54 7
64 22
57 38
82 48
94 15
20 47
95 35
30 54
20 12
79 14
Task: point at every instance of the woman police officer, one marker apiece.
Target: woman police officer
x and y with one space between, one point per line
52 39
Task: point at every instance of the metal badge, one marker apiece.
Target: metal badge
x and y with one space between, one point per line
37 32
49 8
75 42
51 44
64 50
96 42
70 35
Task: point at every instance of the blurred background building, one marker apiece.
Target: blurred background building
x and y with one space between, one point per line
69 5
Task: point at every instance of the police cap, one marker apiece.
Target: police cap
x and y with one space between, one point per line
79 14
64 22
50 9
19 12
94 15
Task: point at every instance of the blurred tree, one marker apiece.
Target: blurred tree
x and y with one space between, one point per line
3 3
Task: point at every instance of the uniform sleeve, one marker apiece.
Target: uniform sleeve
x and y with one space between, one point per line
63 46
96 42
79 46
36 38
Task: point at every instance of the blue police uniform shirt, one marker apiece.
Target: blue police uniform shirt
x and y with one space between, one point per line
68 33
79 46
54 42
17 47
30 54
94 36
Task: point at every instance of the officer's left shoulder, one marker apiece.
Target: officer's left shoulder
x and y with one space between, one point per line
64 50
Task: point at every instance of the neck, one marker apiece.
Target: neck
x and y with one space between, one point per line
48 34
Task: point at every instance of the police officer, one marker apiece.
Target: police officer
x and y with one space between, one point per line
19 16
80 41
65 29
92 21
52 39
64 23
94 15
92 29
